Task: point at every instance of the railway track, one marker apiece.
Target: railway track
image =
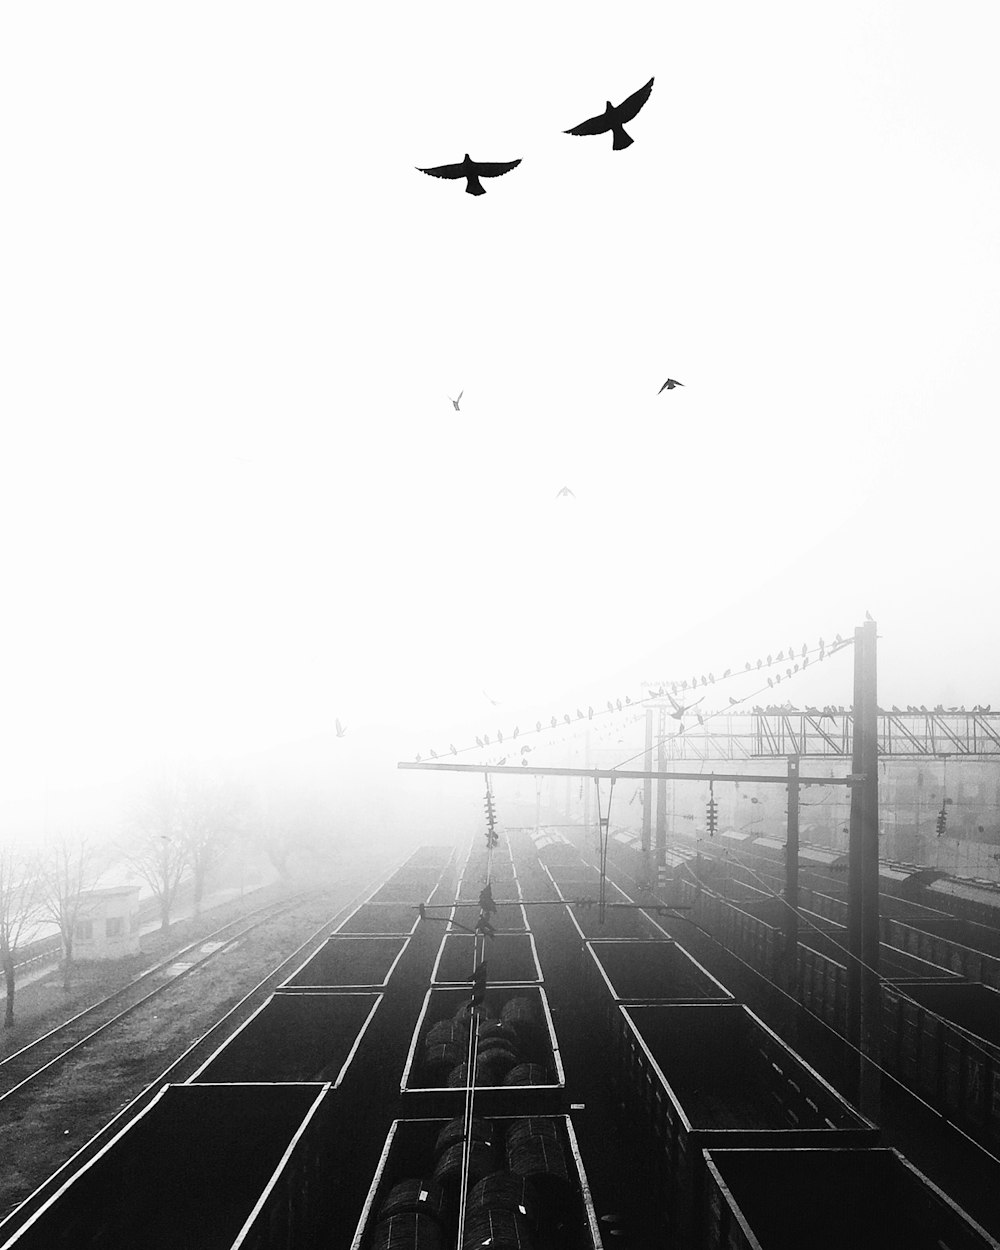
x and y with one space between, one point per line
21 1096
40 1056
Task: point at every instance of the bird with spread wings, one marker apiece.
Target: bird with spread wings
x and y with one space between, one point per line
472 171
614 118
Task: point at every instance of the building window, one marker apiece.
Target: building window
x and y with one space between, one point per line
114 926
83 930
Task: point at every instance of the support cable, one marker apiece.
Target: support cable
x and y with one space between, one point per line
483 932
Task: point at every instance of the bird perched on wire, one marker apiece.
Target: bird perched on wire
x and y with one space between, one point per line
472 171
454 402
669 385
614 118
565 491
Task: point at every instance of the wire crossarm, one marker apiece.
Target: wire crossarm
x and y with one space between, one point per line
626 774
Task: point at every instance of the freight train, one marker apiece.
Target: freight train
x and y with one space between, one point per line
565 1076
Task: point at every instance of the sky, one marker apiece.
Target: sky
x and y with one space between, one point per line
235 500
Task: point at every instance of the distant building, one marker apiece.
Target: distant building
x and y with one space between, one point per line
107 924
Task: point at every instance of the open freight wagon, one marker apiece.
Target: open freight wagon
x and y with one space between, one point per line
829 1200
696 1076
294 1037
519 1069
528 1187
220 1167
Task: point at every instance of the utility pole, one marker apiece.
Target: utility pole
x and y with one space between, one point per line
647 795
586 789
661 791
863 998
792 877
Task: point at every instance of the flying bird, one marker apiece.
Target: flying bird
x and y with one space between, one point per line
565 491
491 699
472 171
680 709
454 402
614 118
669 385
340 729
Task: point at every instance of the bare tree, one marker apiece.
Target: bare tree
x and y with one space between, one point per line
18 909
68 866
158 853
293 829
212 811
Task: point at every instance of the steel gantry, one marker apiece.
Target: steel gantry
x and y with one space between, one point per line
777 733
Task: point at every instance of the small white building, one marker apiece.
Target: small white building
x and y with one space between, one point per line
107 924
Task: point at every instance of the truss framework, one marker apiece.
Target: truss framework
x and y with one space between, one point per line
830 735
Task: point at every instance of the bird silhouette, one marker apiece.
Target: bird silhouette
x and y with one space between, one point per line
453 748
565 491
479 741
669 385
614 118
454 402
680 709
491 699
340 729
869 617
472 171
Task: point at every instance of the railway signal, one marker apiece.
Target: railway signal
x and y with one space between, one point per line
942 822
712 817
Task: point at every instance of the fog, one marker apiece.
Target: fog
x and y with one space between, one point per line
237 504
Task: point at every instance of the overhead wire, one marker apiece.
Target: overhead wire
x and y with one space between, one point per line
482 932
800 1006
856 959
800 659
